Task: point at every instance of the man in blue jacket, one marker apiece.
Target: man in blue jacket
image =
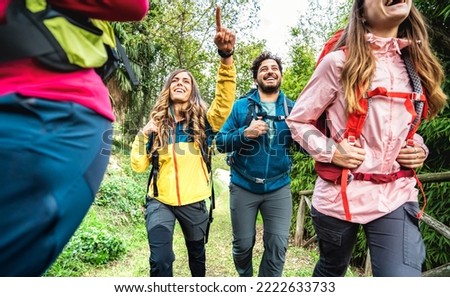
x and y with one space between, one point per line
257 140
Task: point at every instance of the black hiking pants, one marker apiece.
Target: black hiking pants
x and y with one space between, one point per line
160 222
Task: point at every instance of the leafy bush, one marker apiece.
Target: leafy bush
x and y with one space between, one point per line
93 244
123 196
435 134
97 246
303 178
438 247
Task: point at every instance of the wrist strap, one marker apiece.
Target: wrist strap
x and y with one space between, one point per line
225 54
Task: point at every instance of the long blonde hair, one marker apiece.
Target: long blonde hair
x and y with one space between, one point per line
359 66
164 118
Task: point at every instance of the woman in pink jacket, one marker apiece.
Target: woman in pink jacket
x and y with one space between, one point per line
55 141
375 185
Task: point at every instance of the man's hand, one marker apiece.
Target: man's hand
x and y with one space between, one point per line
257 128
224 38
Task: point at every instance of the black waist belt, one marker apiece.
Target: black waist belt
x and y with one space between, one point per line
257 179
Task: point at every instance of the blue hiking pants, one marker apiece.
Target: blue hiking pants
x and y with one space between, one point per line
395 243
276 211
52 159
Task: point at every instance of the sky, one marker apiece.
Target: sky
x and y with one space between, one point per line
276 17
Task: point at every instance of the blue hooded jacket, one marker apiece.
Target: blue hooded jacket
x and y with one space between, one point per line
258 165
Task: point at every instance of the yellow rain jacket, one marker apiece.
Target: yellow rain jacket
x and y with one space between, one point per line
183 176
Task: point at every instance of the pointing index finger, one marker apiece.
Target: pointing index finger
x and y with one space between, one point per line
218 19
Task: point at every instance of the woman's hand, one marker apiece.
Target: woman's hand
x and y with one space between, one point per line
411 156
224 38
348 156
149 128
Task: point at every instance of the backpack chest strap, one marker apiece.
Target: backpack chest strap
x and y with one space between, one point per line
356 120
380 91
264 116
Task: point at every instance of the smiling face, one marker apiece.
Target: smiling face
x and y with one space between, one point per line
268 78
181 88
383 17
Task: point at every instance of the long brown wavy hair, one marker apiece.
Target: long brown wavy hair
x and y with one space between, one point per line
164 118
359 66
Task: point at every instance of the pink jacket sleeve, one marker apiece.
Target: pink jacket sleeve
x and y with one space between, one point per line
320 92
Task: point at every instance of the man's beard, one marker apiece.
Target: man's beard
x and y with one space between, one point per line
269 89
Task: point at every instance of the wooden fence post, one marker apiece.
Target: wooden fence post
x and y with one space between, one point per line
300 224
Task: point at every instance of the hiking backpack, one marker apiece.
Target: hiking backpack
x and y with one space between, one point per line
61 40
253 113
416 105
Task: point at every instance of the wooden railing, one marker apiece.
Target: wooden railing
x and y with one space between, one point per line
427 219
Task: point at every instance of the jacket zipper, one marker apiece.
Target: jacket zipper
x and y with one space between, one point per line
175 164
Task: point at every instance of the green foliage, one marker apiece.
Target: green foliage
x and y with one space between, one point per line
96 246
446 12
302 174
435 133
93 244
123 195
300 70
436 13
67 266
438 247
313 33
303 178
244 55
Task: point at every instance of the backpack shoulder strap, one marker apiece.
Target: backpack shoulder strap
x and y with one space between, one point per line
125 62
287 108
211 208
420 106
355 120
24 23
155 166
330 45
252 110
207 153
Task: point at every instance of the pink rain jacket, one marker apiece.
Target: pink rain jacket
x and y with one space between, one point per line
382 137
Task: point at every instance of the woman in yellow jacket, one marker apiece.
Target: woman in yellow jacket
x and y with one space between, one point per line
179 129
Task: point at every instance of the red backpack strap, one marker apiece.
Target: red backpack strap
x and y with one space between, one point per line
330 45
344 182
355 124
355 121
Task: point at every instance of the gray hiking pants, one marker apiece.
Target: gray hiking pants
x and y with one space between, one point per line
276 212
395 243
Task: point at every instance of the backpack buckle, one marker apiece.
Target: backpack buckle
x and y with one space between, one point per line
410 142
416 96
259 180
351 140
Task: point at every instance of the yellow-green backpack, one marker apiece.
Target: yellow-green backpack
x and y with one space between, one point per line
61 40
